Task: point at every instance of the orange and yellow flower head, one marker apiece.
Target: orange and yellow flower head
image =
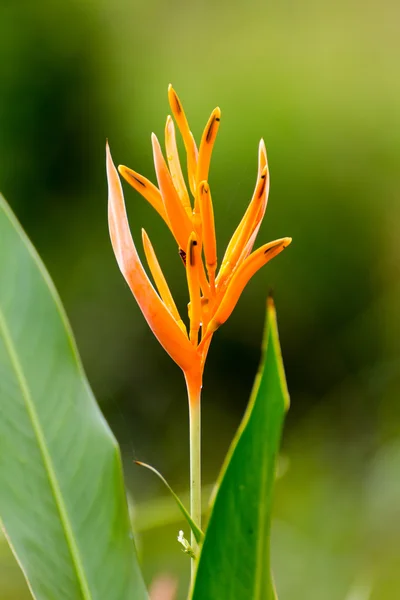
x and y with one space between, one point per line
188 213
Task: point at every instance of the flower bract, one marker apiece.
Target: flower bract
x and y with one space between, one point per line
188 212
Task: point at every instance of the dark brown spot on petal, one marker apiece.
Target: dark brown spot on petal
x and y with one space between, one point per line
262 188
182 254
178 106
270 250
139 181
210 131
193 243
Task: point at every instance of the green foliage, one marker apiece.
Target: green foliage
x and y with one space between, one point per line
62 498
197 532
235 560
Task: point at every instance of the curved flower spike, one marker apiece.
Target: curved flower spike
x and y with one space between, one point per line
249 243
241 277
187 136
212 295
209 240
262 162
245 228
207 145
147 189
180 223
175 165
160 320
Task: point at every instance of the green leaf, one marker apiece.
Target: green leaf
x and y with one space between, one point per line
62 497
197 532
234 563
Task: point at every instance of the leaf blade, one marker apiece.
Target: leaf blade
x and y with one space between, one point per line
61 485
197 532
234 562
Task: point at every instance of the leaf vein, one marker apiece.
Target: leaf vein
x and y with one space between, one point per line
48 464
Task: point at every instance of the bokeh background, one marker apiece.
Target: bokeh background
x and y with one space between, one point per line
320 82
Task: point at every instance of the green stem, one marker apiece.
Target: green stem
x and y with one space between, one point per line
194 391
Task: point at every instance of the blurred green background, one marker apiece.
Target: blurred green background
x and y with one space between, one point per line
320 82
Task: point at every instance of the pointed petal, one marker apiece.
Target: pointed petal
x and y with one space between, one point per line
245 229
241 277
207 145
209 240
262 157
262 164
147 189
193 260
250 243
187 136
181 225
160 280
161 322
175 165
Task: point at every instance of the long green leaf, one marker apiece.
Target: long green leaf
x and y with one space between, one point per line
234 562
62 497
197 532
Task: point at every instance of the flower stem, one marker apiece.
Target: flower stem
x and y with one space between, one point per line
194 391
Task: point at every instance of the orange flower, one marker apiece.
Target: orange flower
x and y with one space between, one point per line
212 295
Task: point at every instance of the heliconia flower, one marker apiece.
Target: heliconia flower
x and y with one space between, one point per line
212 295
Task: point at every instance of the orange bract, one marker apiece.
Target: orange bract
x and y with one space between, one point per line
212 295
